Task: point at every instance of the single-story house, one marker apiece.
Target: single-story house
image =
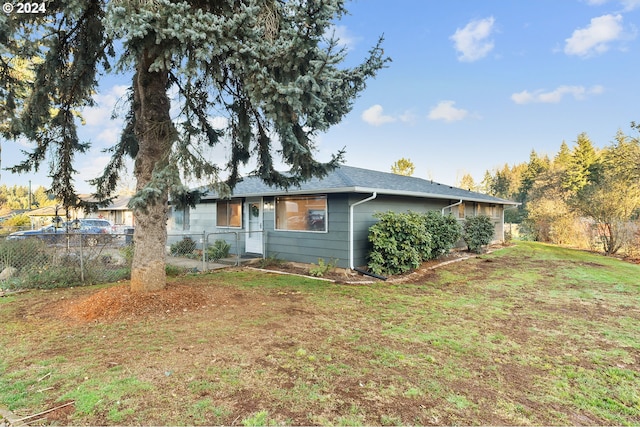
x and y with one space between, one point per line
325 218
42 217
117 212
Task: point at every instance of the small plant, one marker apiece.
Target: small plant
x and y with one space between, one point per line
478 232
127 253
322 268
259 419
219 250
186 246
174 270
270 261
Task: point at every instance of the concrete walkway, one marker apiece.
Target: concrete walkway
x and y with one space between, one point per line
197 264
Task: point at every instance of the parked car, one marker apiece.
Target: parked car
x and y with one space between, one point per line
92 230
49 234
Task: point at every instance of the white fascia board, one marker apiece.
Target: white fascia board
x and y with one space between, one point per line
368 190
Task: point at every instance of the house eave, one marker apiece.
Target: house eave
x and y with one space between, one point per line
427 195
369 190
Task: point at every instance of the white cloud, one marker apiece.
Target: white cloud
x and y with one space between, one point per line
100 114
92 167
407 117
342 35
628 5
472 41
596 37
109 136
375 116
556 95
446 111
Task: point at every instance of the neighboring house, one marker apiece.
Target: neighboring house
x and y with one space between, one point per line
325 218
42 217
117 212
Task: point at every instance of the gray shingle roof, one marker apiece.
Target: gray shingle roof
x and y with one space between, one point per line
349 179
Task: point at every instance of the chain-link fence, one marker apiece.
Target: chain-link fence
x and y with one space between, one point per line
50 260
64 259
208 250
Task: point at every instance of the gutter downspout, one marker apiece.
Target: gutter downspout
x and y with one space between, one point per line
373 196
450 206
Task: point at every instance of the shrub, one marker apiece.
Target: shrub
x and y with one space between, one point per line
323 267
477 232
186 246
20 220
400 241
445 231
219 250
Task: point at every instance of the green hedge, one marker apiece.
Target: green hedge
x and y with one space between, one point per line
445 232
478 232
402 241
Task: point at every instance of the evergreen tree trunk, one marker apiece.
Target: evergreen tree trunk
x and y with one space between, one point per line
153 131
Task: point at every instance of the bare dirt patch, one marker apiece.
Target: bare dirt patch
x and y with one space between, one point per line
118 302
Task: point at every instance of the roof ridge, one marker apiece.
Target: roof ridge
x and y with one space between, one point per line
344 177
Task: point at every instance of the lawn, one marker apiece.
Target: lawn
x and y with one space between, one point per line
529 335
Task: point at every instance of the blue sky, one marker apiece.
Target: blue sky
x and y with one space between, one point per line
474 84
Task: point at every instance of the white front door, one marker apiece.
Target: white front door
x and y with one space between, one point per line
253 239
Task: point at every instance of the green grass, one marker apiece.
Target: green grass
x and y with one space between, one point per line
531 334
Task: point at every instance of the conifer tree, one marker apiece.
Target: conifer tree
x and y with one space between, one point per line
583 166
267 64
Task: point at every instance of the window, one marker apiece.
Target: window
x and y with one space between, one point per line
229 213
181 218
461 210
491 211
301 213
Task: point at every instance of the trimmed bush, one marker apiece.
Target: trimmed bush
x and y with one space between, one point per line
478 232
445 231
400 241
186 246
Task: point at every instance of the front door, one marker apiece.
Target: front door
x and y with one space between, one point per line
253 240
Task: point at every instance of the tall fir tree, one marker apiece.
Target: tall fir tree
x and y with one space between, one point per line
583 166
266 63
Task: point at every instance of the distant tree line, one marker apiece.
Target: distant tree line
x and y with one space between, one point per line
16 197
581 193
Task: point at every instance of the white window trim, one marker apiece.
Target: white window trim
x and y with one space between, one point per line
326 216
235 227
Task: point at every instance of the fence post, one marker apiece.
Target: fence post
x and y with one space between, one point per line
237 248
204 250
81 260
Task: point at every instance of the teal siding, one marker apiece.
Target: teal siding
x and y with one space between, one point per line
363 218
308 247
